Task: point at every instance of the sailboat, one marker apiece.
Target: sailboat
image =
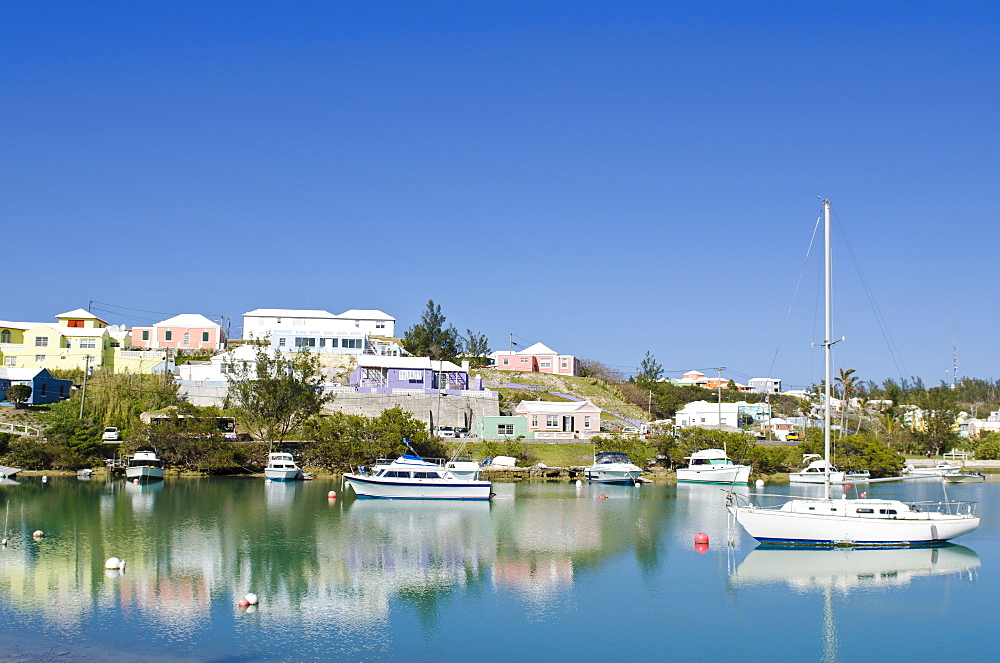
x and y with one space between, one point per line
851 522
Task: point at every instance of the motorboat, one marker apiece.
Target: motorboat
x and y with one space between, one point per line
281 467
940 469
612 467
971 477
412 477
817 471
712 466
851 522
463 468
144 465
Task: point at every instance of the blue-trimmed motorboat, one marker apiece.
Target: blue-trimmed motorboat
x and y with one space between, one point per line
410 477
613 467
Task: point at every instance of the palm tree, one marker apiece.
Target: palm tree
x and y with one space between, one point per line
846 380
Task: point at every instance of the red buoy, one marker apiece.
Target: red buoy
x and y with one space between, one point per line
701 548
701 537
243 603
603 496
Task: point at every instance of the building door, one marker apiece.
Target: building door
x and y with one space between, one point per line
567 424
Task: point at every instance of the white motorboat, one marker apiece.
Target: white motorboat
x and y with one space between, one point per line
713 466
817 472
942 468
144 465
281 467
613 467
412 477
463 468
971 477
856 522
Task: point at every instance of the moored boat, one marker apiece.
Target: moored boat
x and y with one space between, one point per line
712 466
971 477
940 469
412 477
144 465
613 467
817 472
281 467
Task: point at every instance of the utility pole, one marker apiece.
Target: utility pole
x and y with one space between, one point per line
724 445
86 371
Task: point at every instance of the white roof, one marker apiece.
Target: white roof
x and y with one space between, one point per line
420 363
77 331
553 406
19 373
188 320
10 324
538 349
288 313
80 313
366 314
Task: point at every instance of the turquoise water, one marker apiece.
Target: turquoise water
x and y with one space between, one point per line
546 571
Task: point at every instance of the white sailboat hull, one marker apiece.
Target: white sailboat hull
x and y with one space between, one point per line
777 526
418 489
719 474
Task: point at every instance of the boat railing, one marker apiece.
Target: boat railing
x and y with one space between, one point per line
949 507
388 461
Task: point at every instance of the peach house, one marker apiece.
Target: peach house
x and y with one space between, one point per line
188 331
560 420
537 359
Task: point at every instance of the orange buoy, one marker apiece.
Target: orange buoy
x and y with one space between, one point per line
701 537
603 496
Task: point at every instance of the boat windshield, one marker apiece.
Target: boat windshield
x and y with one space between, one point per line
606 457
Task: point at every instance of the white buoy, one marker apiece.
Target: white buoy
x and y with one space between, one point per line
332 494
250 609
112 573
112 563
759 483
38 534
251 598
45 479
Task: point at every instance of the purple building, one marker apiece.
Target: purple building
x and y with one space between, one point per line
386 374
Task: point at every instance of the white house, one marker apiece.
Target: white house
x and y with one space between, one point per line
707 415
764 385
220 366
321 331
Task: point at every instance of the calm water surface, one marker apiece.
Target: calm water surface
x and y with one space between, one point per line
545 572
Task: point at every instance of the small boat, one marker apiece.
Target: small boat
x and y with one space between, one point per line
712 466
857 476
971 477
411 477
941 469
281 467
144 465
84 474
613 467
816 472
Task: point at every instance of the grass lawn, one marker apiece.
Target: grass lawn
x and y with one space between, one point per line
555 455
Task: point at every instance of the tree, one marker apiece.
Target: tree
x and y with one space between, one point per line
430 338
846 381
18 394
273 395
650 370
477 349
591 368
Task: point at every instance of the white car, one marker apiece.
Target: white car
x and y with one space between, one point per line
111 434
446 431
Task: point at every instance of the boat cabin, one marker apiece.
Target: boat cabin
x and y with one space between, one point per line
144 457
708 457
609 457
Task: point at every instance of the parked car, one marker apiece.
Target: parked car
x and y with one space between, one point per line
111 434
445 431
462 432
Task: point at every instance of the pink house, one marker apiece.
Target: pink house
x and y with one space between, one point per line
558 420
188 331
537 359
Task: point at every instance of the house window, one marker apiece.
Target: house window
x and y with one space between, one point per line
411 375
322 342
41 342
534 421
301 342
39 359
586 421
75 323
10 361
379 325
505 429
350 342
5 336
506 361
551 421
333 342
564 363
145 335
524 360
88 343
204 337
43 389
223 367
168 336
281 342
546 363
187 338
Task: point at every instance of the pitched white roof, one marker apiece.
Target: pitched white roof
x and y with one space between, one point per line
288 313
80 313
19 373
538 349
422 363
10 324
188 320
366 314
549 407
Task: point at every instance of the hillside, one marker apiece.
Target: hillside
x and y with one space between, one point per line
604 395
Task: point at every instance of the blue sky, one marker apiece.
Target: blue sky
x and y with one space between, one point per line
607 178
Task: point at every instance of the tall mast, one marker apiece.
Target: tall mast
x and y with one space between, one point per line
827 344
